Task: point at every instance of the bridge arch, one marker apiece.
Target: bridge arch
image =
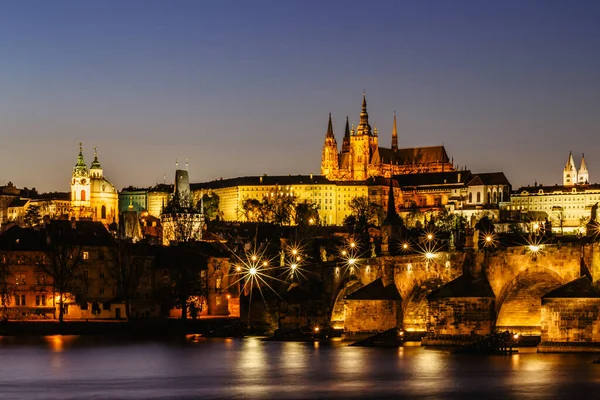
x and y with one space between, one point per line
338 313
416 307
519 304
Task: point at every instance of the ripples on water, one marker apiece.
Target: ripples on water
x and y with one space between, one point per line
74 367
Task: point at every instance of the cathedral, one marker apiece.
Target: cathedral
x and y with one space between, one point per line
93 197
361 157
572 176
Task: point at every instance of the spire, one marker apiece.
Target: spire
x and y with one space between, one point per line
363 127
583 175
329 128
375 131
394 134
583 167
95 163
391 217
352 131
186 164
80 168
346 142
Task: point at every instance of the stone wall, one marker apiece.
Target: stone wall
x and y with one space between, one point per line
462 316
572 320
371 315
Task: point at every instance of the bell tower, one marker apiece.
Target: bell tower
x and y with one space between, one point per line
570 172
80 186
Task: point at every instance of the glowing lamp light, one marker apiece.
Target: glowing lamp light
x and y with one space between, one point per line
228 296
311 221
353 245
254 258
253 271
316 329
344 252
534 248
516 336
351 261
294 266
488 239
429 255
429 236
298 258
294 251
536 226
238 268
400 333
405 246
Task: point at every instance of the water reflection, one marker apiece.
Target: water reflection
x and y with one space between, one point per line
83 367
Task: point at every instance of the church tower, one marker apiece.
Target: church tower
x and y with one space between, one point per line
361 144
80 186
329 159
570 172
96 168
583 176
346 142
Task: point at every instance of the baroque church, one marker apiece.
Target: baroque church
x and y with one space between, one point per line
93 197
573 176
361 157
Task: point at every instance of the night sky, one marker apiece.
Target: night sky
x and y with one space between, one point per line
245 87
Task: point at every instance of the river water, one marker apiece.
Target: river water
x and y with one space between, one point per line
72 367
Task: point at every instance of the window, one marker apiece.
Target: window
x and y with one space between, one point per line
103 212
20 279
40 300
478 197
86 255
83 195
40 279
20 300
470 197
218 282
218 300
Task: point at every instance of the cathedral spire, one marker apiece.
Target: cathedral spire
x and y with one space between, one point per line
363 126
391 217
583 174
329 128
80 168
346 141
394 134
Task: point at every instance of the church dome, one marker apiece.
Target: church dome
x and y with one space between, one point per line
102 185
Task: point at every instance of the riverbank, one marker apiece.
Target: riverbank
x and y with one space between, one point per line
214 327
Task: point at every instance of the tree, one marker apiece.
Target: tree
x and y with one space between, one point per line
210 202
6 288
306 213
278 208
126 270
251 210
62 261
32 216
185 266
365 212
559 216
181 221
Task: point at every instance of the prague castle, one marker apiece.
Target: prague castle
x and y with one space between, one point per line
361 157
92 195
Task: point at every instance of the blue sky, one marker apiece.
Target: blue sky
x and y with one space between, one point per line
245 87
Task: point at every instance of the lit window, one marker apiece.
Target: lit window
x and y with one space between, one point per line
86 255
218 283
218 300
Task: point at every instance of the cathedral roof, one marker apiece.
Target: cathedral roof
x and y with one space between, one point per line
414 155
491 178
101 185
433 178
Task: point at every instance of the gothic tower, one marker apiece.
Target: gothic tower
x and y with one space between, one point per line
583 176
361 144
329 159
570 172
346 142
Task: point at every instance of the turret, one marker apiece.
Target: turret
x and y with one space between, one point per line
570 172
96 168
80 169
363 127
583 176
329 159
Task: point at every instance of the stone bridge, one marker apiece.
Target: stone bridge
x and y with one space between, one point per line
476 291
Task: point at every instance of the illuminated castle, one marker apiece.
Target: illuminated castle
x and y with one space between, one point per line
92 196
361 157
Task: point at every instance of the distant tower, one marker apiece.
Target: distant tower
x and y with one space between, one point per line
182 183
583 176
329 159
394 135
96 169
570 172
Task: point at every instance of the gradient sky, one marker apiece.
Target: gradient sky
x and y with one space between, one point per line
244 87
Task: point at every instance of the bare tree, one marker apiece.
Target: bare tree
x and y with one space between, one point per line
182 222
62 261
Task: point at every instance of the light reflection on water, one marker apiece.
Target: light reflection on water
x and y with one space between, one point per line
84 367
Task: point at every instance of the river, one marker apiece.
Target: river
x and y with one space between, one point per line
73 367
